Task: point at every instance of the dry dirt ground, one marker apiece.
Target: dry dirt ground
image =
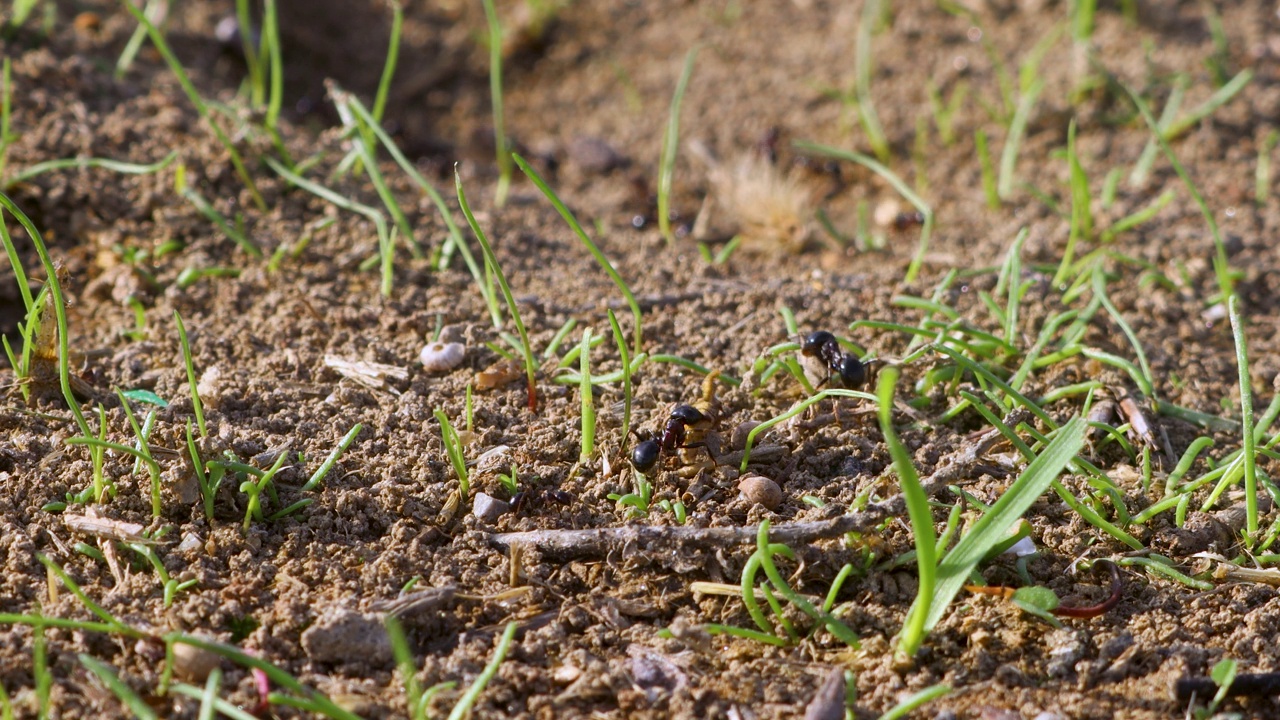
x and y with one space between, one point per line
587 102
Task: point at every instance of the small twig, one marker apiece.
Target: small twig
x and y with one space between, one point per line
598 542
1244 685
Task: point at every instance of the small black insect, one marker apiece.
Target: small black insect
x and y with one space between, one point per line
675 434
821 344
531 499
671 440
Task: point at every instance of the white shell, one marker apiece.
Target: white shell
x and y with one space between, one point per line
440 357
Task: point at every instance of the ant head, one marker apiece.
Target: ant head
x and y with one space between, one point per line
645 455
813 343
853 373
688 414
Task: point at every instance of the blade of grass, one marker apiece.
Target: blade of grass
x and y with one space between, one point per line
491 262
455 235
162 45
124 168
322 471
385 248
468 700
59 308
620 339
670 147
123 692
1246 420
863 68
1013 140
1221 266
495 92
926 228
955 567
585 393
591 246
918 510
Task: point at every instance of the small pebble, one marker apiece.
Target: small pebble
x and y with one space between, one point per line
488 508
760 490
441 357
341 636
593 154
740 433
194 664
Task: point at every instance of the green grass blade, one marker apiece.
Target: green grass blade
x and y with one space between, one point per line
1013 140
491 262
925 229
107 675
914 630
591 246
991 528
463 708
157 38
588 407
495 93
670 148
59 309
1246 420
124 168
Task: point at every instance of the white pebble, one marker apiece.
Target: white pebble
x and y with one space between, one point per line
441 357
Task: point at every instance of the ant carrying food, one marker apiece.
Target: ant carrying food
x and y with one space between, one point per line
685 423
822 345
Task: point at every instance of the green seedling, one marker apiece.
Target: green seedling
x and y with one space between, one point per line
956 566
385 240
1013 140
463 709
208 477
122 691
637 501
365 150
588 406
918 510
944 112
157 38
511 483
670 147
1246 420
158 12
872 13
124 168
56 299
271 43
626 378
599 256
455 235
255 485
453 448
323 471
492 266
915 701
676 508
495 92
926 228
171 586
196 406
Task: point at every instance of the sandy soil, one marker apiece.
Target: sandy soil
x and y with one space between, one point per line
587 103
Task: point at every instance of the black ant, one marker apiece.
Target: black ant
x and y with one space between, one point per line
677 430
824 346
540 496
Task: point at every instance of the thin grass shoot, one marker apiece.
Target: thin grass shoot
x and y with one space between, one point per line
491 263
670 147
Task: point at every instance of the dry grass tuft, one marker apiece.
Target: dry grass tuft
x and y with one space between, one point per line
769 209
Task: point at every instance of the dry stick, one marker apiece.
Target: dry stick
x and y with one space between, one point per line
565 544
